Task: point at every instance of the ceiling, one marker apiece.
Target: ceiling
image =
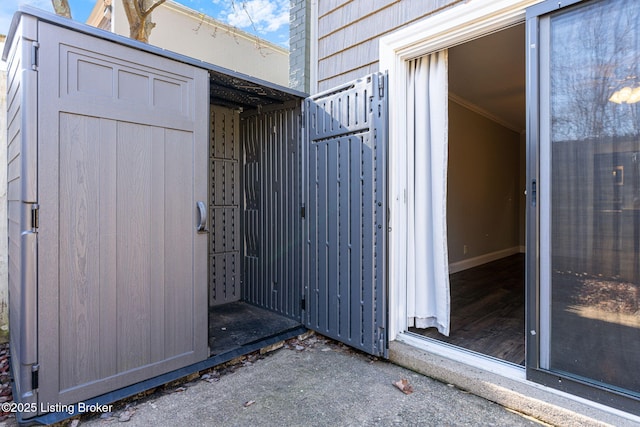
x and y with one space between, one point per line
488 76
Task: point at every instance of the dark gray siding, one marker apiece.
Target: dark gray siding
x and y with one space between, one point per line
224 246
272 254
345 233
349 30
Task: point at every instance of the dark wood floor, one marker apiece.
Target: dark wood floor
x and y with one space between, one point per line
487 310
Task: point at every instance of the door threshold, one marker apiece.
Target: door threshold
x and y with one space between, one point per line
501 382
462 355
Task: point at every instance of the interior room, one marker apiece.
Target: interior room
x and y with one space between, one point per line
485 196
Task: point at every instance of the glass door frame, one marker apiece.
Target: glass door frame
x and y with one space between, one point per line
538 274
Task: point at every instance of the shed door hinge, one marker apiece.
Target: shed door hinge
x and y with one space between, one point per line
34 55
382 340
35 220
303 304
303 211
35 369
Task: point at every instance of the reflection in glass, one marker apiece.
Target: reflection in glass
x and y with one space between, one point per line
595 214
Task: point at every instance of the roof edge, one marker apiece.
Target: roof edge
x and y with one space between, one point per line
51 18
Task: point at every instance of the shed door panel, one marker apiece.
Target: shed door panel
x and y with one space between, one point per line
346 222
270 208
122 162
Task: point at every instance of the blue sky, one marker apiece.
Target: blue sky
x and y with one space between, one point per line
268 19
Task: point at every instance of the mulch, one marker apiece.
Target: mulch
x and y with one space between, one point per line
5 380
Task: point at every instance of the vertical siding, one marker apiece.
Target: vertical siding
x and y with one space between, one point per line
272 254
349 31
345 230
224 229
127 250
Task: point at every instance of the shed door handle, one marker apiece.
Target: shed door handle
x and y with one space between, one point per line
201 219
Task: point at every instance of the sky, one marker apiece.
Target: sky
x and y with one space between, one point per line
268 19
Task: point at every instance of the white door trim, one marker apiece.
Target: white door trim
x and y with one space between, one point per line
443 30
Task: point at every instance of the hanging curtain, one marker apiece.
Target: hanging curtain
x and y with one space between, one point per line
428 299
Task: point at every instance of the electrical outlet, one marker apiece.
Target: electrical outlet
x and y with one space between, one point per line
465 249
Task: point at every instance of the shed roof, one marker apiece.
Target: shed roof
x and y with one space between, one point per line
227 87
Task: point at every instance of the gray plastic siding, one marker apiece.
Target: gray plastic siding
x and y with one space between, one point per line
224 203
19 114
14 95
345 276
272 255
349 32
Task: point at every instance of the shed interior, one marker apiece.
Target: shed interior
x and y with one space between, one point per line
255 252
126 139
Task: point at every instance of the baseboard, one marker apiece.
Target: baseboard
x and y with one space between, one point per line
465 264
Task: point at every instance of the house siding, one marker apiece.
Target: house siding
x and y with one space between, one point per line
348 32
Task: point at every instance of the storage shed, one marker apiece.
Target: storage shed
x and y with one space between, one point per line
166 215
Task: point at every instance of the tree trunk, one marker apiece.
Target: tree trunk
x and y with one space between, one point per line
61 7
139 16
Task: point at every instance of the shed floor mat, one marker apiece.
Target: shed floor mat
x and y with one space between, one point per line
237 324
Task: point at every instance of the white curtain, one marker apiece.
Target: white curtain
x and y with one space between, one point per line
428 297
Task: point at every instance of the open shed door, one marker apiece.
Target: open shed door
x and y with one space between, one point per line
346 214
122 165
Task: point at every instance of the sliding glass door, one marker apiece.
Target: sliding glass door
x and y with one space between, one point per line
584 198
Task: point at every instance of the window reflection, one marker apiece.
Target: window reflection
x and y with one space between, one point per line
595 215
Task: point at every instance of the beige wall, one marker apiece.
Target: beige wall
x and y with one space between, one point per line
185 31
484 186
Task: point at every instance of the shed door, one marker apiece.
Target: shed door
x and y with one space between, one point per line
346 219
122 162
